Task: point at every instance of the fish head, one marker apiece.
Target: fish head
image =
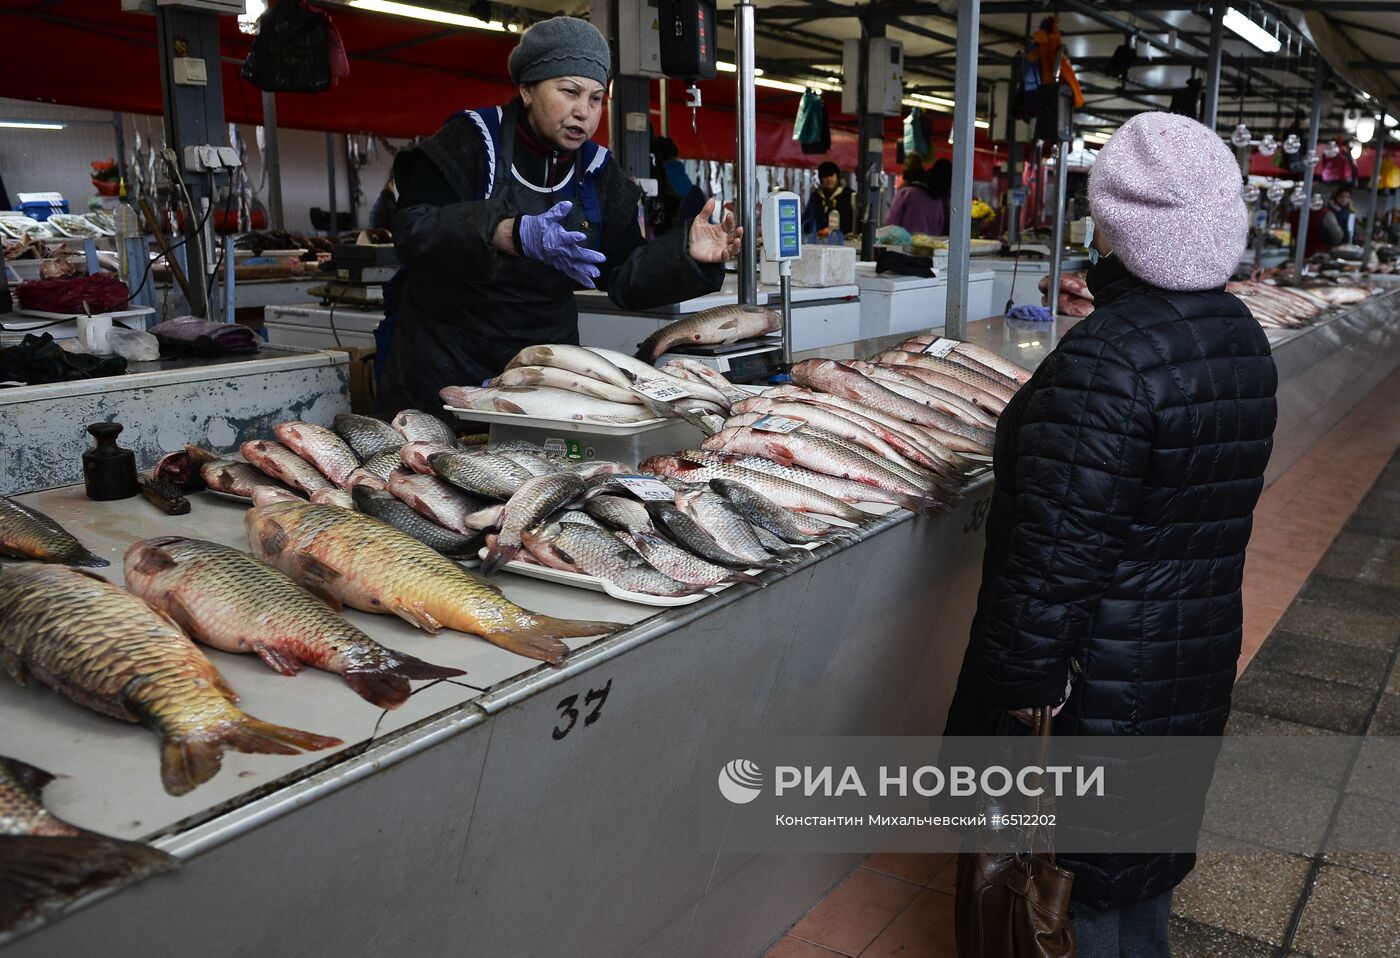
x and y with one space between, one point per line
268 527
267 495
365 496
149 565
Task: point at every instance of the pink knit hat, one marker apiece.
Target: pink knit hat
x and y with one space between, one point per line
1165 193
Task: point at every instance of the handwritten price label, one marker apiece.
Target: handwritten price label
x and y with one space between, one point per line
645 488
782 424
942 347
661 390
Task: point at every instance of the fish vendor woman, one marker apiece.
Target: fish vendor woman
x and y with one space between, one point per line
505 211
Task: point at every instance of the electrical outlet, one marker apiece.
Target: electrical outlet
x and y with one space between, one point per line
190 71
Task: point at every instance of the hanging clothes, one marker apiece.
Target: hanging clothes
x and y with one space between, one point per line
1049 49
811 128
916 134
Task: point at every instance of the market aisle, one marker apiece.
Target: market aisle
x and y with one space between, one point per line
1323 586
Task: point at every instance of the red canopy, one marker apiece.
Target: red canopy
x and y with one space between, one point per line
406 77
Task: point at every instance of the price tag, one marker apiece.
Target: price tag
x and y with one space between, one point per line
941 347
645 488
661 390
781 424
734 394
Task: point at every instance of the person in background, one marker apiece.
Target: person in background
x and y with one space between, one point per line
681 198
914 207
831 195
1339 221
381 214
1126 474
940 187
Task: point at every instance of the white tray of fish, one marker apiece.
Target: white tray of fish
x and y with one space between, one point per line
578 580
573 425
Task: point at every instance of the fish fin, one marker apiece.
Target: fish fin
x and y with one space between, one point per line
190 759
505 405
780 453
43 872
272 541
154 559
672 411
316 576
540 640
276 659
31 777
728 324
16 667
497 556
415 615
386 684
89 560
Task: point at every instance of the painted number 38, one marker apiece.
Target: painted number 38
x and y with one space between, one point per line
570 714
979 515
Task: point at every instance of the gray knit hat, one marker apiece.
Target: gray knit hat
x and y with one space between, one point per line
560 47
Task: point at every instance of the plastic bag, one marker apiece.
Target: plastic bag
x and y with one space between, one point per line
134 345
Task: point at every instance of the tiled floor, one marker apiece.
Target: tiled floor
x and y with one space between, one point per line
1322 584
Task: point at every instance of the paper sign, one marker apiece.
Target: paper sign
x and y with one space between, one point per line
661 390
781 424
941 347
645 488
734 394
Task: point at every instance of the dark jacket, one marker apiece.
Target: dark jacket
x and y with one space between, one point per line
462 309
819 206
1126 473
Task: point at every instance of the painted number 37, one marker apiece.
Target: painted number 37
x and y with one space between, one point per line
569 713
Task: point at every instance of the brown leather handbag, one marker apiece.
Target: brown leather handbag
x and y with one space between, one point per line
1016 903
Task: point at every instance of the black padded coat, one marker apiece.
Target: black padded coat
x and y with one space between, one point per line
1126 474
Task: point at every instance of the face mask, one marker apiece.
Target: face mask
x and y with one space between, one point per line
1093 256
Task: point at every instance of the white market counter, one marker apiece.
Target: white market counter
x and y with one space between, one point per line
891 304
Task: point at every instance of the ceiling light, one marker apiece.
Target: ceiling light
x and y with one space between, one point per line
1365 128
724 66
27 125
395 9
1355 150
1251 32
935 100
836 80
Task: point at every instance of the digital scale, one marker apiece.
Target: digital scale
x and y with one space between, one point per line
753 361
781 224
361 270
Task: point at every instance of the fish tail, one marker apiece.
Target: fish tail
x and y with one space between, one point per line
668 410
748 577
192 757
496 556
386 684
88 560
646 349
540 638
921 504
44 871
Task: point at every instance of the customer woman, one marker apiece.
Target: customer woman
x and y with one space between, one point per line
505 212
914 208
1127 470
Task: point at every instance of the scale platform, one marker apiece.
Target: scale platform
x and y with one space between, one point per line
339 293
749 361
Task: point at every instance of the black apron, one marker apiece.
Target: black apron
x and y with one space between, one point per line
527 303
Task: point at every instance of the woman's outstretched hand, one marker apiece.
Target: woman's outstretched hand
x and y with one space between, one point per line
714 242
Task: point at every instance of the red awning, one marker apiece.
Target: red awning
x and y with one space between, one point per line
406 77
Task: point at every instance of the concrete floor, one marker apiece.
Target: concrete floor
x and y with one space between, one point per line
1321 642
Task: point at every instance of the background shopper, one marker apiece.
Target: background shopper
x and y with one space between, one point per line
914 207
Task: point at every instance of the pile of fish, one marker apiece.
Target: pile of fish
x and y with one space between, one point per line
1292 307
897 429
719 326
581 383
45 862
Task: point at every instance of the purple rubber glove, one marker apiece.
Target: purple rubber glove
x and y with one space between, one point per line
546 239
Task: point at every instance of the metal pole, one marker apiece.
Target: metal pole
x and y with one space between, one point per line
119 130
662 94
230 304
1262 230
1217 37
272 162
1015 166
1373 216
1305 210
1057 248
330 178
960 196
870 152
744 179
785 272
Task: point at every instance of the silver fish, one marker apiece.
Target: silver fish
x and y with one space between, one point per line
567 380
415 455
896 465
534 502
725 524
383 464
480 473
701 466
443 503
386 508
764 513
683 565
711 327
319 446
240 479
366 436
416 426
593 551
979 354
332 497
930 395
544 402
279 462
692 536
823 418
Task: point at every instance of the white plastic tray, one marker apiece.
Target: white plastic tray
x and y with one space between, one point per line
573 425
28 318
